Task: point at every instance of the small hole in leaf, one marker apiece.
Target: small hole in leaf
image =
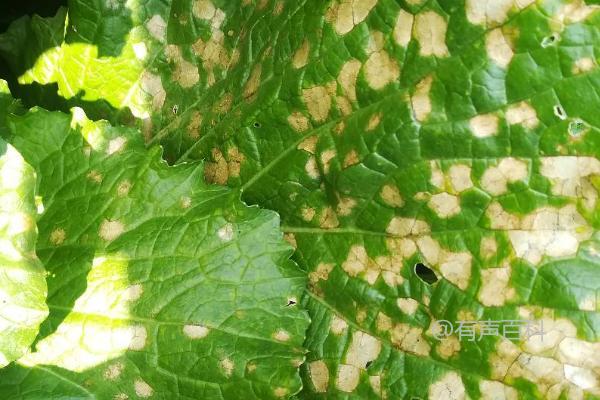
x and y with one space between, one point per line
368 364
291 303
175 109
577 127
425 273
257 124
550 40
560 112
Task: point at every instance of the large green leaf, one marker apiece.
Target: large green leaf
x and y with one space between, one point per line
22 277
158 285
458 134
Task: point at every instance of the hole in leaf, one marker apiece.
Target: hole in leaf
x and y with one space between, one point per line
425 273
550 40
291 303
257 124
368 364
560 112
175 109
577 127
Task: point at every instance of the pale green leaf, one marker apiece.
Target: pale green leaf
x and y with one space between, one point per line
23 287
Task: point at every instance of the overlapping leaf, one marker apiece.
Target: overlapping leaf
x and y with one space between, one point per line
22 277
458 134
158 286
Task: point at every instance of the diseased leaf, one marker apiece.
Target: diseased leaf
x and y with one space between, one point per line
158 286
462 135
23 287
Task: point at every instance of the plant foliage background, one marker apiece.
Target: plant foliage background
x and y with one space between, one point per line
371 135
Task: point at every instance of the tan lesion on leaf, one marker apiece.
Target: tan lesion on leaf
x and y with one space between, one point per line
321 272
460 177
319 375
356 261
449 387
309 144
227 366
204 9
300 58
157 27
95 176
326 157
318 101
253 83
484 125
454 266
220 169
391 196
403 28
571 176
522 114
495 289
143 389
374 122
123 188
347 378
345 206
488 247
298 121
153 87
437 178
494 390
347 78
291 239
344 15
212 52
430 31
582 65
194 124
58 236
402 226
445 205
495 179
351 159
278 8
224 104
492 12
547 231
311 168
500 219
573 12
499 47
555 232
420 100
111 229
448 347
338 326
308 213
410 339
407 305
185 73
328 218
383 322
380 69
216 171
363 349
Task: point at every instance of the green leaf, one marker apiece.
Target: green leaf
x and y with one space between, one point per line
462 135
158 286
22 277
